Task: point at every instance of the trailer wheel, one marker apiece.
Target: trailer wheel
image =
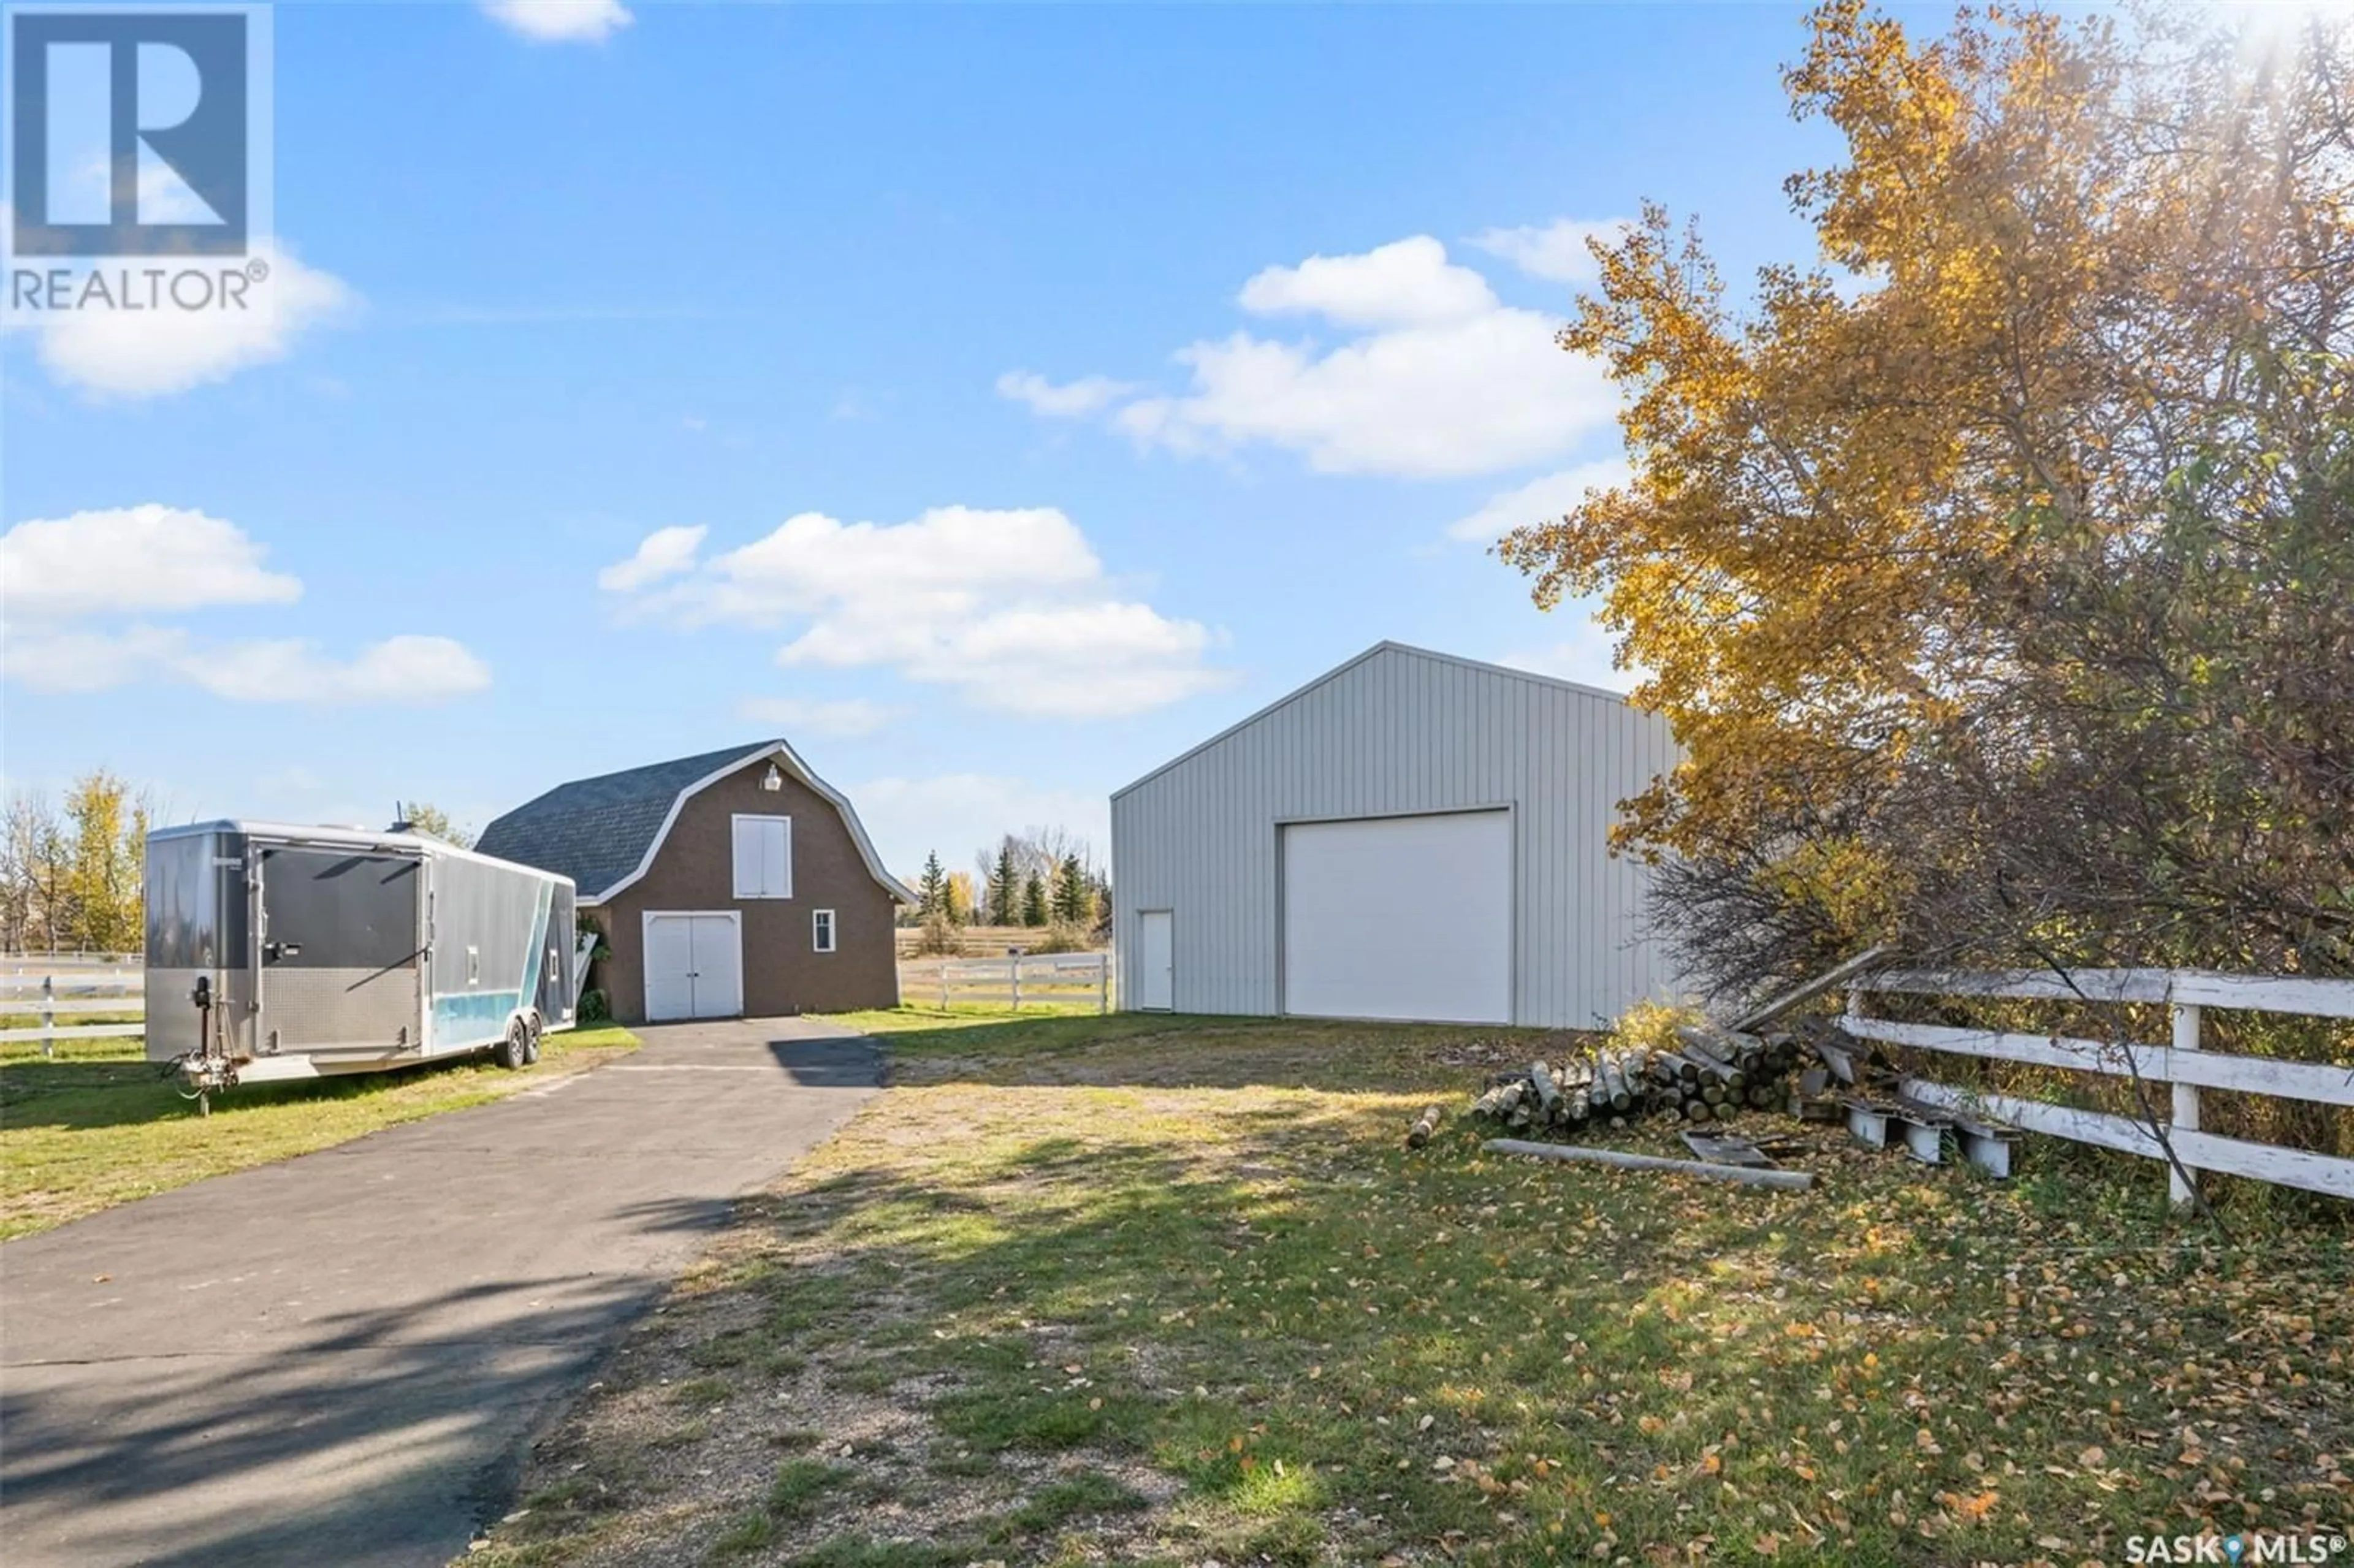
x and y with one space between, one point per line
513 1052
531 1050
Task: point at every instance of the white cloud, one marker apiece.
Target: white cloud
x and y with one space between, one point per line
1441 380
1012 608
66 659
67 585
1088 395
560 21
847 717
1556 252
155 353
1078 661
410 669
958 813
163 196
133 559
1408 282
664 552
950 559
1486 393
1585 655
1541 500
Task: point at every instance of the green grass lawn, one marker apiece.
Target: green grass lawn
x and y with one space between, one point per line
929 1017
1144 1290
928 1030
99 1126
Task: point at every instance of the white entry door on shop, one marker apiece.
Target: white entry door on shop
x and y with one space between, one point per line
1156 968
695 965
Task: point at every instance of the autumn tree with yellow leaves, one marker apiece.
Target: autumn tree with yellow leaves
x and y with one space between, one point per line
70 879
1995 570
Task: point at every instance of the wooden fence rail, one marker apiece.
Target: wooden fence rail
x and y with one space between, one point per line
1010 981
2182 1063
66 957
77 986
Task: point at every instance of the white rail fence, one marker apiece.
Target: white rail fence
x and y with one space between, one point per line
2182 1065
46 986
1009 981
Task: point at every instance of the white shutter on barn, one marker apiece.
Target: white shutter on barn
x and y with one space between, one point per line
748 857
777 858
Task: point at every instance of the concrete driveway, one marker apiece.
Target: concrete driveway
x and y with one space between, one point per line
340 1359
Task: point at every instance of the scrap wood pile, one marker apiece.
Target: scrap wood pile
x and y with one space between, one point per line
1814 1070
1712 1074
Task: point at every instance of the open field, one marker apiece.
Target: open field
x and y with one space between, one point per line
99 1125
1145 1290
975 941
1043 980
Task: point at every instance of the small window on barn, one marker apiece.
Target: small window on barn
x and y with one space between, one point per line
764 857
822 930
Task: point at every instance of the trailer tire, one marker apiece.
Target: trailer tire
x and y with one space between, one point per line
531 1047
514 1051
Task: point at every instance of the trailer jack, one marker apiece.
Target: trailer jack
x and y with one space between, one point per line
203 1076
207 1068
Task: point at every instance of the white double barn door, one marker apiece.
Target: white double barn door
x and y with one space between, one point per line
694 966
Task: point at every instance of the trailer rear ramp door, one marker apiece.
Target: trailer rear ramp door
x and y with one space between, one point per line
339 949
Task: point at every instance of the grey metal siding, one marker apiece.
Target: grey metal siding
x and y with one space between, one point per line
1398 732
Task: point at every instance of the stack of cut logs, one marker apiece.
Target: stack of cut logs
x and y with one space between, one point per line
1712 1074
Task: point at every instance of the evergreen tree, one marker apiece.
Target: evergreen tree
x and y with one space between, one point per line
1074 899
1004 887
932 892
1034 901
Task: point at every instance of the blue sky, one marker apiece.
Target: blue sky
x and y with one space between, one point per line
1050 387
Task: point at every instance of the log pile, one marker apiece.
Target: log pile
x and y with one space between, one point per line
1712 1074
1426 1127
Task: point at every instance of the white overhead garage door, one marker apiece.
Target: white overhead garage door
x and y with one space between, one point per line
1399 918
695 965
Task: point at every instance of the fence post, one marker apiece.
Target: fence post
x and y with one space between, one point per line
1014 964
1103 983
48 1014
2187 1018
944 985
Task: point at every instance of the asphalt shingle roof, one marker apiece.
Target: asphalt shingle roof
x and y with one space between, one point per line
596 831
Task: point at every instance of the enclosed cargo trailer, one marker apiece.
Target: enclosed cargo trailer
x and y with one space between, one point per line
278 952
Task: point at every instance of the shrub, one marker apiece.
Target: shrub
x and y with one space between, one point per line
1062 937
594 1008
1652 1026
939 939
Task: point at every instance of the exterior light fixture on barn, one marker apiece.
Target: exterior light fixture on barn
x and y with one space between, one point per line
1411 836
